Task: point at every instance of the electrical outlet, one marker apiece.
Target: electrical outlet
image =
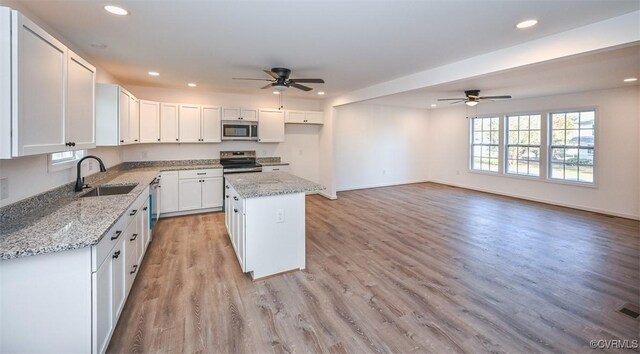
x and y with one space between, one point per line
4 188
280 215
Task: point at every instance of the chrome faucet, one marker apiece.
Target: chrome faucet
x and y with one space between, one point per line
80 181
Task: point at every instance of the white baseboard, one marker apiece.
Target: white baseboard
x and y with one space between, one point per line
189 212
379 185
328 196
541 200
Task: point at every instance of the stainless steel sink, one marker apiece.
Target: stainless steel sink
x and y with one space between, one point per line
109 190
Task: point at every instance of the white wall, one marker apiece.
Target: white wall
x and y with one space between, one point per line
617 152
28 176
379 146
300 148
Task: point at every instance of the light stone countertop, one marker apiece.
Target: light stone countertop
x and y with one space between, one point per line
254 185
74 222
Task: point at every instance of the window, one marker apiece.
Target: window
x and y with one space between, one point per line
571 156
523 144
63 160
485 133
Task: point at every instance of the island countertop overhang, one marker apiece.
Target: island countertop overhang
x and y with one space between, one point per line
255 185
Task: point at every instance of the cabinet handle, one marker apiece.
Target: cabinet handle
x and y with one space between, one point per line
116 235
235 198
145 208
133 212
235 210
276 169
158 139
201 173
176 139
122 141
116 255
135 140
227 196
67 144
133 237
227 186
135 268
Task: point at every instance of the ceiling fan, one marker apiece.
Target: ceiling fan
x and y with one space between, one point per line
281 80
473 98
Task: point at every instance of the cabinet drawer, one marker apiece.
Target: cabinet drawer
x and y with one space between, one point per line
100 251
275 168
136 207
212 172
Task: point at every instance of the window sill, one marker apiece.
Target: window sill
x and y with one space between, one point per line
536 179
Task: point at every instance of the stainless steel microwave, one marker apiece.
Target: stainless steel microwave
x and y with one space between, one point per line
235 130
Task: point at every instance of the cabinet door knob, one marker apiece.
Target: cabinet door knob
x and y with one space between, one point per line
122 141
227 186
235 198
235 210
116 235
135 140
145 208
133 212
227 196
133 237
176 139
135 268
116 255
158 139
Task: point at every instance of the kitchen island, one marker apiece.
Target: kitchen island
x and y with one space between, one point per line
265 220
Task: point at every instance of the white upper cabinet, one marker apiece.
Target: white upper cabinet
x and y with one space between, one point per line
211 125
46 94
149 121
39 90
249 114
168 122
134 120
190 120
304 117
81 83
199 124
117 116
271 126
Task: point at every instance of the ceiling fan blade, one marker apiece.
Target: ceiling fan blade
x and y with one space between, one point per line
494 97
310 81
452 99
245 78
458 101
266 86
300 87
272 74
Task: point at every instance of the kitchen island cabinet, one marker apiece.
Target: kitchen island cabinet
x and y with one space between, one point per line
265 219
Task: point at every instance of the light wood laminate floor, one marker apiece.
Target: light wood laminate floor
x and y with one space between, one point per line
413 268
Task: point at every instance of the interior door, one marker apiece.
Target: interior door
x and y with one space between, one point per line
81 84
40 66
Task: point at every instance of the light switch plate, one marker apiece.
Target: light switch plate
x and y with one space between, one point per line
4 188
280 215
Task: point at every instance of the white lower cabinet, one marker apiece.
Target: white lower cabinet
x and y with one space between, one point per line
191 190
70 301
169 192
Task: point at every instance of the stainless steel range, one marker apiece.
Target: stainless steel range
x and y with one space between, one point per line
239 162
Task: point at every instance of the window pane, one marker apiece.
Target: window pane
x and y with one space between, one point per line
513 123
534 122
495 123
534 138
476 163
494 165
523 137
513 137
557 137
485 151
558 121
586 157
477 138
534 168
477 151
477 124
493 152
571 172
587 120
534 154
572 137
486 124
512 166
586 137
557 170
585 174
557 155
573 120
495 137
486 138
523 123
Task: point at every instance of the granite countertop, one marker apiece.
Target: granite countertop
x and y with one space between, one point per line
254 185
73 222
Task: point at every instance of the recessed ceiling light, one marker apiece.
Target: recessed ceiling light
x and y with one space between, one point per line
98 45
527 23
434 105
191 84
630 79
154 73
320 93
276 92
116 10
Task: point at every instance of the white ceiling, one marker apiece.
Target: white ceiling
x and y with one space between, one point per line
351 44
586 72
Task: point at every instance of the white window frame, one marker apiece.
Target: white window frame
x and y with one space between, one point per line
500 145
64 164
540 146
550 146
